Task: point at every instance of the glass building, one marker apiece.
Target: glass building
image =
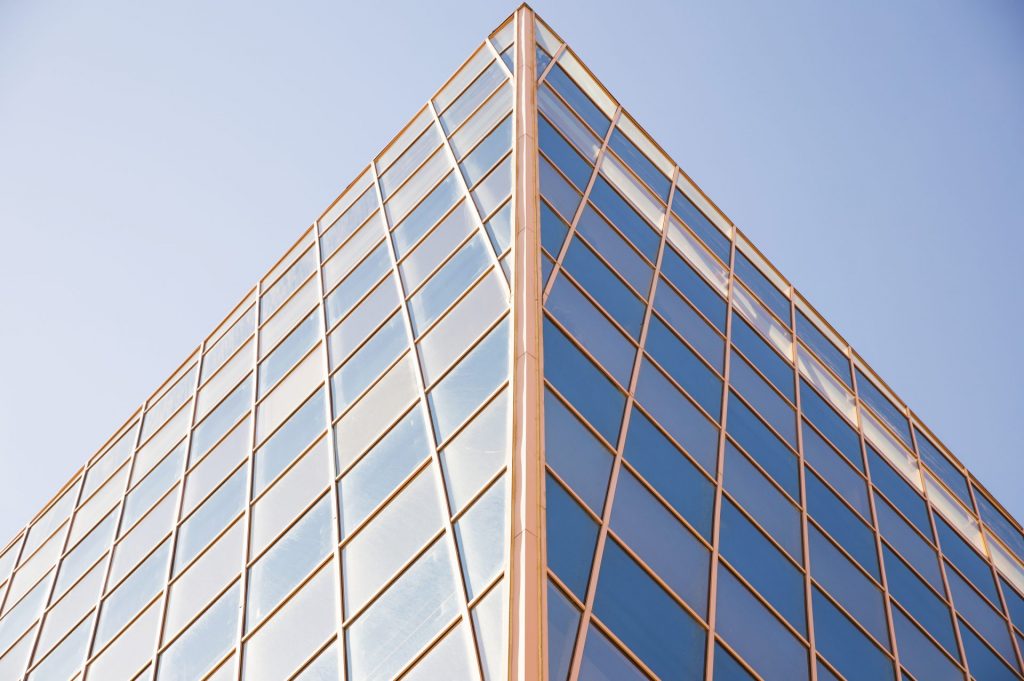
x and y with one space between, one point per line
522 403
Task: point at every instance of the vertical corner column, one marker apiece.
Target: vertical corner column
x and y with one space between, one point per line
526 584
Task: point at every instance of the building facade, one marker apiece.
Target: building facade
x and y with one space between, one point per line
522 403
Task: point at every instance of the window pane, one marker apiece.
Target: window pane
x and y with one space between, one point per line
609 291
486 154
763 287
411 158
290 559
474 95
284 357
704 228
369 362
758 392
571 92
481 539
71 608
838 431
445 285
690 325
279 506
133 593
643 616
841 523
374 412
675 413
159 481
430 252
289 441
80 558
575 454
693 286
390 539
557 191
204 643
304 300
563 155
289 393
482 120
350 291
685 366
563 619
849 586
369 314
279 290
405 618
220 420
143 538
63 662
764 446
491 192
615 249
211 518
477 453
567 123
834 469
919 655
889 412
426 214
763 500
602 661
640 164
571 539
927 607
844 646
223 459
131 650
824 348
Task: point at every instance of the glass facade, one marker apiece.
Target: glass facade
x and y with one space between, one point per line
334 483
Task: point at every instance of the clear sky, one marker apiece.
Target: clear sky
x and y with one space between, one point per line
157 158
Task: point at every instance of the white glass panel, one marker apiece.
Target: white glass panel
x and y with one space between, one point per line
951 509
488 618
417 187
215 466
81 557
450 92
130 651
391 539
227 344
452 658
153 451
407 617
132 594
35 567
290 313
353 251
143 537
698 256
382 469
279 291
19 615
411 159
374 309
644 143
296 631
763 321
175 396
464 388
375 411
204 643
411 132
821 379
632 189
436 246
204 579
573 67
72 607
323 668
481 536
288 394
493 189
63 662
299 486
546 39
900 458
210 518
107 463
463 324
164 476
53 518
343 228
477 453
1006 562
226 379
493 110
12 663
7 559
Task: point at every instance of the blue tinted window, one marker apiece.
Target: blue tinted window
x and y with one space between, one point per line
874 398
646 619
592 329
563 619
640 164
552 229
727 668
750 343
575 453
844 646
575 377
606 288
562 154
908 543
765 289
983 662
920 601
676 414
822 346
667 547
690 325
762 500
602 661
615 249
623 216
848 585
557 190
693 286
711 235
842 524
765 400
831 424
963 557
1014 604
764 566
898 491
749 627
669 471
1000 524
919 655
764 446
571 539
579 101
835 470
685 367
982 616
942 466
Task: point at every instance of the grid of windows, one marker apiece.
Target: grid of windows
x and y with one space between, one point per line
324 488
728 486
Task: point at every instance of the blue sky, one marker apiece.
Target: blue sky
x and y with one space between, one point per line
158 157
